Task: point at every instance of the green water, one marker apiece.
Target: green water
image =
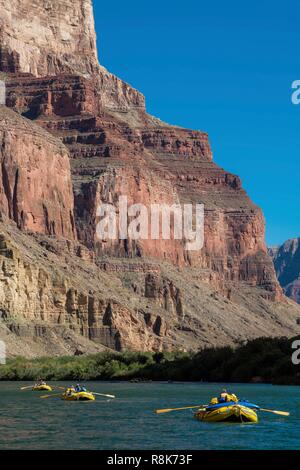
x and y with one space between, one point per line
27 422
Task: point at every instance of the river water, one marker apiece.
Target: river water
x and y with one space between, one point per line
129 422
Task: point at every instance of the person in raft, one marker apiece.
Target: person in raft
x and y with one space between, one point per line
71 390
80 388
40 382
226 397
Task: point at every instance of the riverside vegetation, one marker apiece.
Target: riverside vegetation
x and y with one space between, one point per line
267 360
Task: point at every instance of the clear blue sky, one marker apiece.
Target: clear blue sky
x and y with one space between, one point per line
225 67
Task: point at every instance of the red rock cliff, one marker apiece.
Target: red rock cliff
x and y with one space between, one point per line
150 162
36 189
47 37
174 298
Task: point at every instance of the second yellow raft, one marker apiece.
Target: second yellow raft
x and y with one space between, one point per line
70 395
231 414
42 388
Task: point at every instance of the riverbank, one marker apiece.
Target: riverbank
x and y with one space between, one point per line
264 360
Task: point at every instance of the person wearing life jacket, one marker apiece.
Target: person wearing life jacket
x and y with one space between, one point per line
226 397
223 396
234 398
70 390
80 388
40 382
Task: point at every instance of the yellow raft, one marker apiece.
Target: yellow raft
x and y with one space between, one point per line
231 414
42 388
70 395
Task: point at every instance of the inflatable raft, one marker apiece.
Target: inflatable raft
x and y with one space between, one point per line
70 395
42 388
240 412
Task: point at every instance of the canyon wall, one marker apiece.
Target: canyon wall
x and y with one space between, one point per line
36 189
47 37
50 38
286 258
55 299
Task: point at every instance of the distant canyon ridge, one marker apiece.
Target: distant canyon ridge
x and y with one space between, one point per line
74 136
286 258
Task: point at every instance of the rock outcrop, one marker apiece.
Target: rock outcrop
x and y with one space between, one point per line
140 294
55 299
47 37
286 260
36 188
150 162
50 38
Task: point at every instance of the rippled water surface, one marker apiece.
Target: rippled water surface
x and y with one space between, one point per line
28 422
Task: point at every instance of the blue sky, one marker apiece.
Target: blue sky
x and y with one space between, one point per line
225 68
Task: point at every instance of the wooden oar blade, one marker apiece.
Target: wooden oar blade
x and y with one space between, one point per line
104 395
163 411
276 412
51 396
283 413
168 410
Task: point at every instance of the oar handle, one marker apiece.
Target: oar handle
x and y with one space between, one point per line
51 396
168 410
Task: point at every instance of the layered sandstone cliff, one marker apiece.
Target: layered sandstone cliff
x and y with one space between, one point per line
47 37
54 299
150 162
36 189
286 258
50 37
142 294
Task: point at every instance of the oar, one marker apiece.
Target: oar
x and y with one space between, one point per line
100 394
103 395
53 395
282 413
25 388
167 410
